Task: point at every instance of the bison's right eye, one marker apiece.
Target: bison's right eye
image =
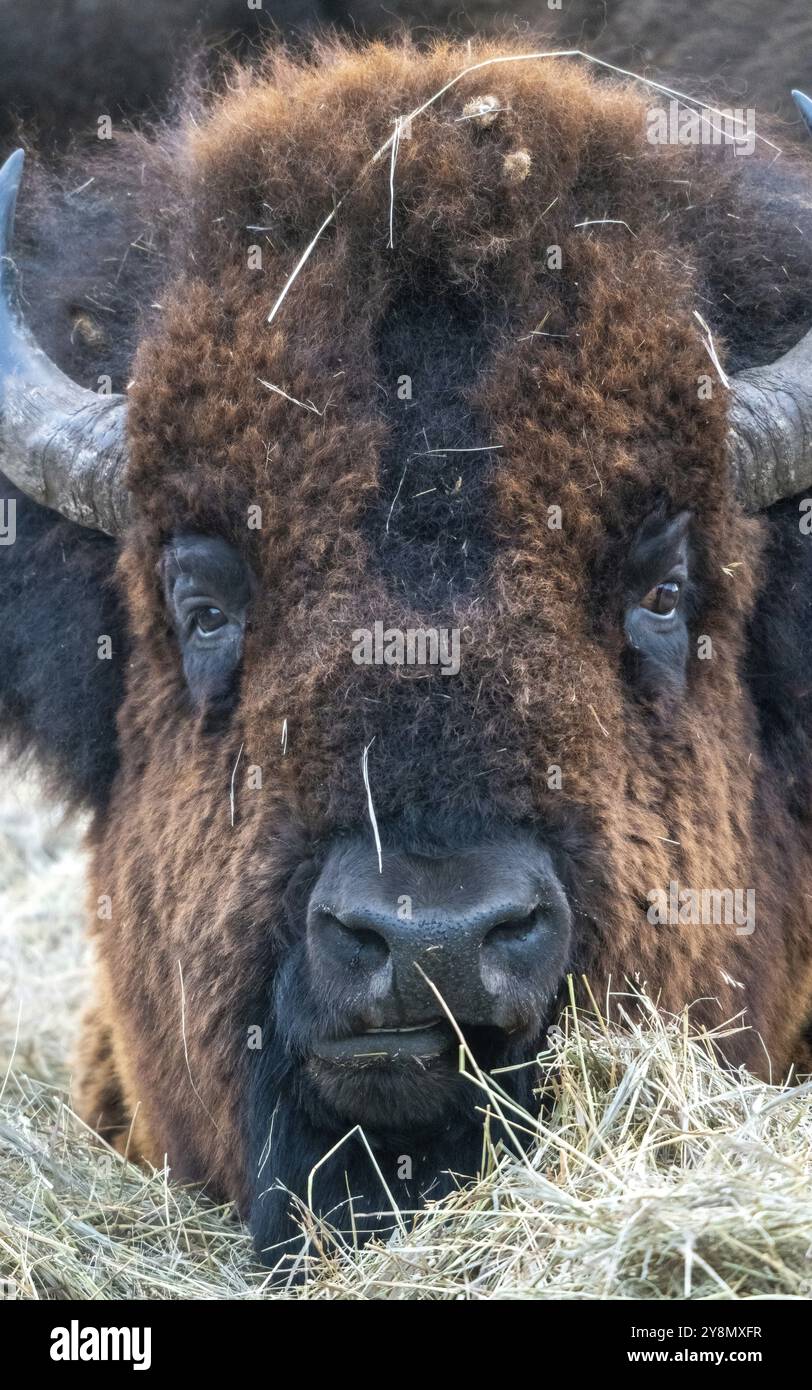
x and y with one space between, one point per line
659 604
208 587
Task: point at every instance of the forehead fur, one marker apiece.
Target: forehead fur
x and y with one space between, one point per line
474 209
583 395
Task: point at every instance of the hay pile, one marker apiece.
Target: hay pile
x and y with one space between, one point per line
655 1174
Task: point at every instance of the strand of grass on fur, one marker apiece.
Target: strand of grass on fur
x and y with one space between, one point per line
452 82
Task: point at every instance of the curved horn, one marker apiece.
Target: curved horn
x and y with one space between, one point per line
62 445
771 417
804 105
771 428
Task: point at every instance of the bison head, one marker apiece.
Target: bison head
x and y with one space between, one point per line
439 594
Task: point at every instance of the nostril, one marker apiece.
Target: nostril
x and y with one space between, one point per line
350 944
367 947
513 933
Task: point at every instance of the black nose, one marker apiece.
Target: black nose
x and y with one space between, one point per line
487 926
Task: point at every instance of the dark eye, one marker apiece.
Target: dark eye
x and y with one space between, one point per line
208 620
663 599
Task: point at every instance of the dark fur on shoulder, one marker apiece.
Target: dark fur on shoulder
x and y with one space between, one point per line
58 698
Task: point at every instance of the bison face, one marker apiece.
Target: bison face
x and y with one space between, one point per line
333 871
439 600
418 717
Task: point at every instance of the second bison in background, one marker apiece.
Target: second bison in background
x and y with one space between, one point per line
456 394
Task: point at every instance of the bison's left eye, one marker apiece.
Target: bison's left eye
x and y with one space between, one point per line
662 600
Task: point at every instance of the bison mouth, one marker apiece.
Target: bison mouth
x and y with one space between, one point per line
408 1080
420 1042
398 1093
385 954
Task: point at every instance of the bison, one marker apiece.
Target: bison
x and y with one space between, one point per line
427 622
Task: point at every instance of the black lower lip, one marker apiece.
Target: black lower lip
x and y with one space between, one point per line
385 1046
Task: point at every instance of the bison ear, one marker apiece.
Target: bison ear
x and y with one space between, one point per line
804 105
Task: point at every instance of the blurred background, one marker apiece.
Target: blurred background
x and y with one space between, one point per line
63 62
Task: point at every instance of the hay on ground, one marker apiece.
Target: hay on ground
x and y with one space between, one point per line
655 1174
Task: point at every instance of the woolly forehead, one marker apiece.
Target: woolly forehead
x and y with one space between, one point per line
555 357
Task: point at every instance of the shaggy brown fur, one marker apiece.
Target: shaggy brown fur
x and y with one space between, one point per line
603 420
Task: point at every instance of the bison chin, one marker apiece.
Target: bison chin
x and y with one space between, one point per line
397 1128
